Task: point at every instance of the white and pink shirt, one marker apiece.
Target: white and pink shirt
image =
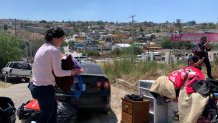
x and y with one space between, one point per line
47 60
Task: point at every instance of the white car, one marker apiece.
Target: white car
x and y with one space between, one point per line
17 70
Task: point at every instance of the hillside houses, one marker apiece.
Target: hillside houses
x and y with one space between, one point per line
99 35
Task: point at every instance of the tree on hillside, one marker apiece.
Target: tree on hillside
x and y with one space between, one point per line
11 49
166 43
191 23
90 53
178 23
5 27
43 21
71 44
35 46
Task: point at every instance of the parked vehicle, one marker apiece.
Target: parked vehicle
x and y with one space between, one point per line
80 58
16 70
96 92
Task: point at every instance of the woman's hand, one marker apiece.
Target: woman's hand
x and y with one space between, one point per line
77 71
73 72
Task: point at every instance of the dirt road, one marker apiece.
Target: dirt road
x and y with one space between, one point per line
19 93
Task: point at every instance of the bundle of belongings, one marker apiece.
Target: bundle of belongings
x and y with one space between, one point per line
191 103
30 111
67 82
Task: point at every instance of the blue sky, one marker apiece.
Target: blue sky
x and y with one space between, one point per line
111 10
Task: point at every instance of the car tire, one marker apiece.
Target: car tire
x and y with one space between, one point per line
6 79
18 79
27 79
106 111
1 77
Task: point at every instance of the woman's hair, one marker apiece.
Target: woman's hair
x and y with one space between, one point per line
54 33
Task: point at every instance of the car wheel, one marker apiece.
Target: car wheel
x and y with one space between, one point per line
1 77
18 79
27 79
6 78
106 111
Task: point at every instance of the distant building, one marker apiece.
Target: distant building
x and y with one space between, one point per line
108 45
120 46
140 45
79 46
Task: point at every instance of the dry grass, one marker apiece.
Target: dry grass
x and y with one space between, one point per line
4 84
132 72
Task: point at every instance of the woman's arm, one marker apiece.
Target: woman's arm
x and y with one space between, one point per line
56 64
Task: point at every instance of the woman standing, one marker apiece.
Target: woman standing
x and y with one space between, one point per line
47 62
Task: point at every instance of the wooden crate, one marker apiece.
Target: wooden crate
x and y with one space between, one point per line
135 111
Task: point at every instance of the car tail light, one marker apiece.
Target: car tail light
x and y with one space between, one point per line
103 85
99 84
107 85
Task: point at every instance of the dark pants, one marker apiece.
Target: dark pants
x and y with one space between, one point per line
208 66
47 102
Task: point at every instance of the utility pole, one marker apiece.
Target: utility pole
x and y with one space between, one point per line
15 27
132 31
132 27
26 46
31 50
217 24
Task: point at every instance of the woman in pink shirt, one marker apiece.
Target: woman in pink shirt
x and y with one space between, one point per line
47 62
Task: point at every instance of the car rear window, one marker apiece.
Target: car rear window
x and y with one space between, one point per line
92 69
16 65
24 66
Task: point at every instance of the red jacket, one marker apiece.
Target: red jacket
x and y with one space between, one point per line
186 75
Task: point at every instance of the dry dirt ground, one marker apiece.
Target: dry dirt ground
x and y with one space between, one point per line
19 93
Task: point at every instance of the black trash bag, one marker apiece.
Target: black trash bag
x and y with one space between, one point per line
27 115
133 97
7 110
65 113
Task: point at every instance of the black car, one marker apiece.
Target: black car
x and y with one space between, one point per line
96 92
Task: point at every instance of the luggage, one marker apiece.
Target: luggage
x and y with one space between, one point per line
30 111
7 110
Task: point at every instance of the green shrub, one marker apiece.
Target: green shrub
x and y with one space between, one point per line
91 53
11 48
